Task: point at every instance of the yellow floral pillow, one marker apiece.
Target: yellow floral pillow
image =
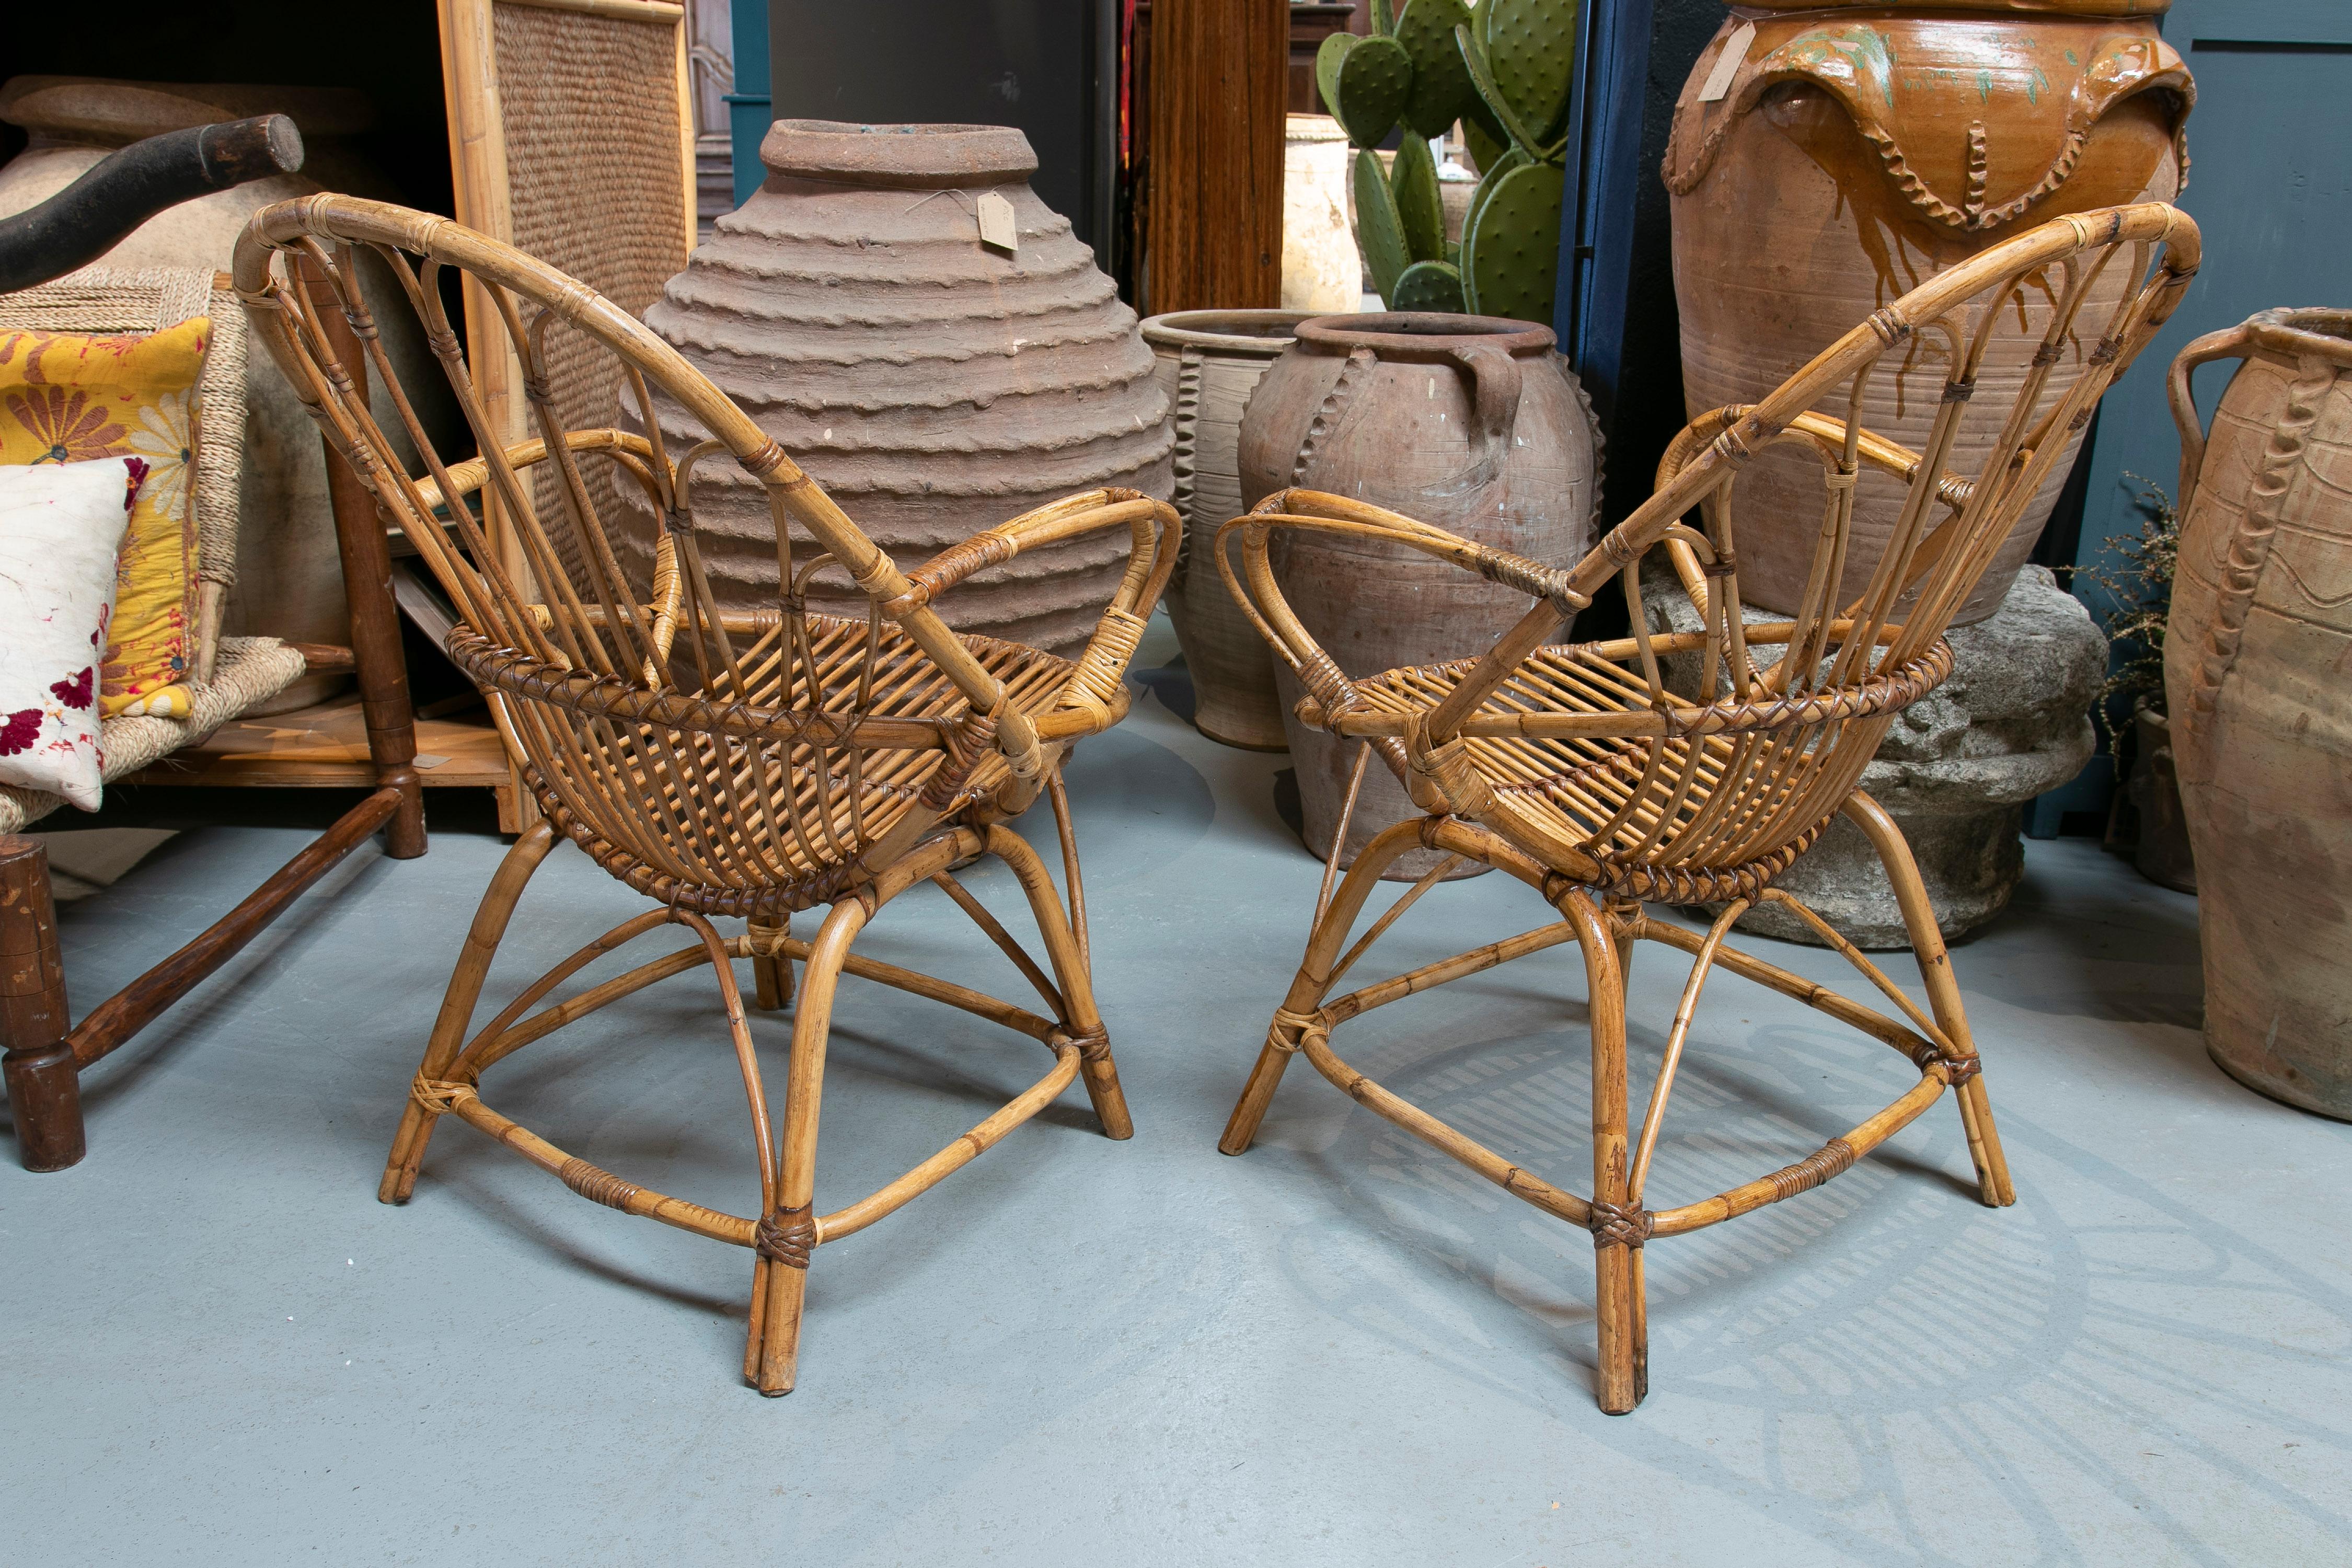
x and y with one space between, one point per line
68 398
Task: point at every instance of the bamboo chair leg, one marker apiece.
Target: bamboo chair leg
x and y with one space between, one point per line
1993 1183
1624 922
787 1232
1074 978
458 1004
1619 1228
1307 988
772 971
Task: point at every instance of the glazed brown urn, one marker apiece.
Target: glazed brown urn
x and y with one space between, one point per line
2256 656
935 385
1469 423
1826 159
1209 362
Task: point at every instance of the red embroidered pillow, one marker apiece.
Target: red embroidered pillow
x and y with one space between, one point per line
60 525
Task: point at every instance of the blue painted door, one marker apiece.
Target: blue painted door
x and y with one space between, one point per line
2271 187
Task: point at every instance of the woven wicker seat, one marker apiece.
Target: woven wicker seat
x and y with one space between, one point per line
740 762
1579 769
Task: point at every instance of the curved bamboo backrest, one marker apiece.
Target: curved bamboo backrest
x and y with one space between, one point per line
734 761
1625 783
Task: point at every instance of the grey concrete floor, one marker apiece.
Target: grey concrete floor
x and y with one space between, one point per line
1339 1349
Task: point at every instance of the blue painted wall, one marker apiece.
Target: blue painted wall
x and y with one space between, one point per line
748 109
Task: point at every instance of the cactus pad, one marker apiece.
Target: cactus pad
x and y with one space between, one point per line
1378 227
1510 158
1484 135
1530 49
1429 286
1420 207
1372 77
1327 61
1510 252
1442 92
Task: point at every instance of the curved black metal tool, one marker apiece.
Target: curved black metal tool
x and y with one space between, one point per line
85 220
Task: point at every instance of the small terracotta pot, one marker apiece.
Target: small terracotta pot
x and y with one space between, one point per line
1209 362
2254 654
1469 423
2162 851
1850 153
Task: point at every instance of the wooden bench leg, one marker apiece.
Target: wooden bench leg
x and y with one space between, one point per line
43 1078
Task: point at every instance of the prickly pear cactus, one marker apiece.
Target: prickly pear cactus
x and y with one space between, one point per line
1442 92
1430 286
1520 55
1530 49
1505 70
1366 84
1421 207
1510 259
1378 227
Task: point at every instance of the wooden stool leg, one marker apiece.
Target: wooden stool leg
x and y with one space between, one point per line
787 1233
1993 1183
1306 987
772 967
1073 974
381 667
43 1078
1619 1226
490 928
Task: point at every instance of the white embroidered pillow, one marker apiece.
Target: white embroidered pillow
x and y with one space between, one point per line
60 525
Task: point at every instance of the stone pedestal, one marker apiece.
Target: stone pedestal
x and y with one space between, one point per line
1956 768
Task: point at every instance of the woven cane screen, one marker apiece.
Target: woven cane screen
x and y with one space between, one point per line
596 188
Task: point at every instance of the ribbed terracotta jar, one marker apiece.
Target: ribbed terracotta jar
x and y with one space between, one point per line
935 386
1469 423
1853 153
2255 659
1209 363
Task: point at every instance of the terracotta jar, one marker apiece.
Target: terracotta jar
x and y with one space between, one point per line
1826 159
1209 362
2255 658
1321 272
935 385
1468 423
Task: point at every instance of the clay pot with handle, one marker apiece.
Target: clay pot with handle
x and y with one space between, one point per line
1209 363
2255 655
1469 423
1830 156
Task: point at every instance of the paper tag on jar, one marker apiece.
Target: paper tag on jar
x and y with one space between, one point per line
1727 64
996 227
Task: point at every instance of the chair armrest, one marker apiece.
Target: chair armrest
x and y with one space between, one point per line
1261 598
470 476
1096 689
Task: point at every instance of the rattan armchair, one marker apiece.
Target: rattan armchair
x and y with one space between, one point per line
1577 771
724 763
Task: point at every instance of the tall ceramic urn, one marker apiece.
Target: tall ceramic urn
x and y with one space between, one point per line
1827 156
2255 659
1209 361
935 381
1469 423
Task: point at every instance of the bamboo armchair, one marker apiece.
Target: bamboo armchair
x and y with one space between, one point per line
724 763
1576 770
